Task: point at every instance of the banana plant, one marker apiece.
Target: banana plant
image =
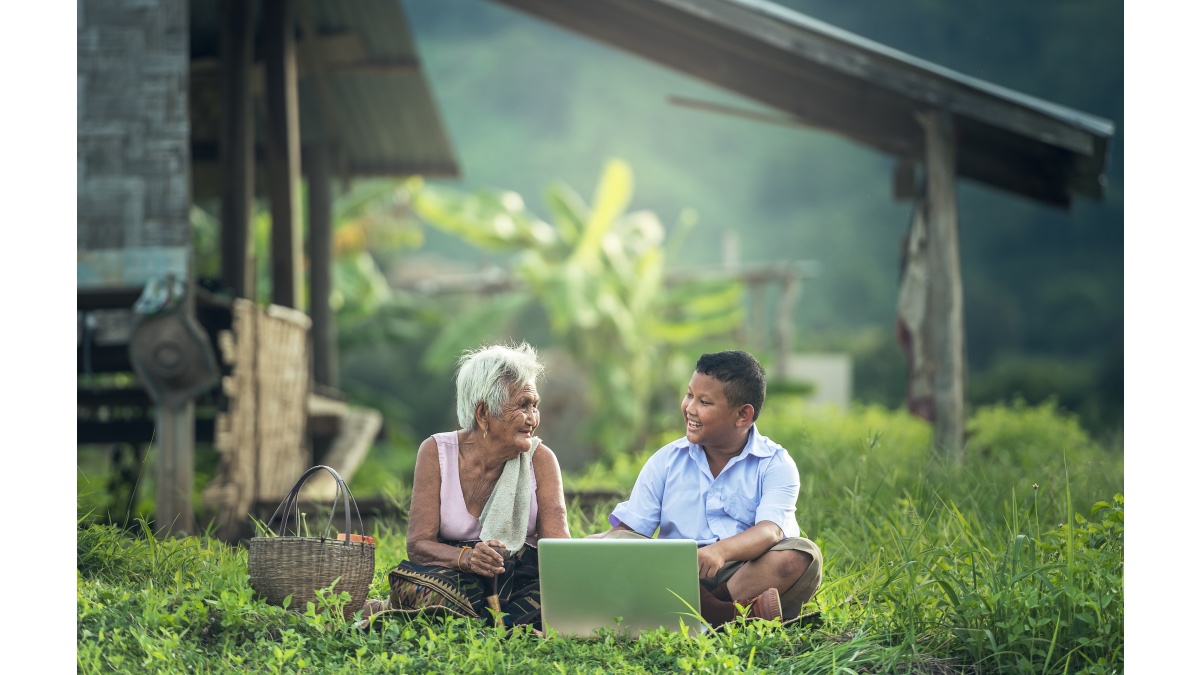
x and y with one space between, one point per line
597 272
371 220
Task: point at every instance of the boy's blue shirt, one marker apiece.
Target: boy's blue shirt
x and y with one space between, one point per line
676 493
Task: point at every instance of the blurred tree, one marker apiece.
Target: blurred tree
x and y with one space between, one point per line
382 331
797 193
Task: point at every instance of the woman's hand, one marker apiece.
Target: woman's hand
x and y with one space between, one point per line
485 559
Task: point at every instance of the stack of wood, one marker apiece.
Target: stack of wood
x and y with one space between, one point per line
262 438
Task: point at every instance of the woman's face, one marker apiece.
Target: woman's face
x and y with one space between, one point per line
518 418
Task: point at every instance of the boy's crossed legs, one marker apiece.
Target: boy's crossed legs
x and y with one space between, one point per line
777 583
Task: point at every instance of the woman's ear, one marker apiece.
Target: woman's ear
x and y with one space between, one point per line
481 415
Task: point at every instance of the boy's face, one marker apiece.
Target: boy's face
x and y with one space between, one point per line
709 417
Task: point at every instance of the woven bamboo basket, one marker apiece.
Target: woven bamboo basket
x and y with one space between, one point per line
299 566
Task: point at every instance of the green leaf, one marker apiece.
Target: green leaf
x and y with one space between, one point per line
718 301
568 210
472 327
477 218
648 282
612 196
362 195
692 330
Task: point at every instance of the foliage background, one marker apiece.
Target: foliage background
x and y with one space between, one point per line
1042 288
527 103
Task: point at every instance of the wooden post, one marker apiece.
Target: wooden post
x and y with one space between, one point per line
283 150
945 284
237 148
320 256
731 254
175 429
759 323
783 326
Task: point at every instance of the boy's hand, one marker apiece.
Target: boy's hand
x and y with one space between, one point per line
710 560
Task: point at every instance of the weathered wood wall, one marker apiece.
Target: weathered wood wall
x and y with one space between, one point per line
261 438
133 190
132 124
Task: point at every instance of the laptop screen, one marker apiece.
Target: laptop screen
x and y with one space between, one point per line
627 585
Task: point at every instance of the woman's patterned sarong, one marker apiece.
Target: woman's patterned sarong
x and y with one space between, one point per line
424 587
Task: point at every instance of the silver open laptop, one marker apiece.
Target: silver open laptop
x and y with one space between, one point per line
628 585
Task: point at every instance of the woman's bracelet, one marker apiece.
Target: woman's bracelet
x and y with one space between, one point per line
458 564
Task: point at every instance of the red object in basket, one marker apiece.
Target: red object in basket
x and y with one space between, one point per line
357 537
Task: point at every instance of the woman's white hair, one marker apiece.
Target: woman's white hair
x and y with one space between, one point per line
488 373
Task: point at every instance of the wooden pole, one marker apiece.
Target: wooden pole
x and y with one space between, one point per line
283 150
237 148
783 326
175 430
320 256
759 323
731 254
945 284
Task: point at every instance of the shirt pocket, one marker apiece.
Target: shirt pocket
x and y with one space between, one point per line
740 509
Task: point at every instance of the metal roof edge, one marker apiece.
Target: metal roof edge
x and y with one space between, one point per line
1084 121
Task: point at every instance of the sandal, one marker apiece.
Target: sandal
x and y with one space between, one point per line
765 606
373 607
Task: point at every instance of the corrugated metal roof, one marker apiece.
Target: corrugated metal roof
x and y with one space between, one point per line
834 80
379 110
1082 120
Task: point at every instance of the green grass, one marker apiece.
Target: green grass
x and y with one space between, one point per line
1010 562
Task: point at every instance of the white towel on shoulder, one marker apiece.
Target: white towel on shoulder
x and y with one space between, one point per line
505 516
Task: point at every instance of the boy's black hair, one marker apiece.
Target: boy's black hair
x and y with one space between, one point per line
743 376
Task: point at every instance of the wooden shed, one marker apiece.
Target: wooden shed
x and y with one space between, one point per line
939 125
182 100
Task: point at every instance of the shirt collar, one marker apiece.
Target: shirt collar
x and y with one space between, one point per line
756 443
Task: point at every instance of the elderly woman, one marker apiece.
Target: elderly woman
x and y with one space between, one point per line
483 496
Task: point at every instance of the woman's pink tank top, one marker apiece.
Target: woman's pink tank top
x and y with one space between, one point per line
457 523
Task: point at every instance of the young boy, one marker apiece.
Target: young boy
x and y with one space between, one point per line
734 492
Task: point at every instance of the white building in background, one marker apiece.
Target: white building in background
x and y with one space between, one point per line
831 375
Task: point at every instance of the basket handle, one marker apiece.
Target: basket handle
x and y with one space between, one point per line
343 491
292 501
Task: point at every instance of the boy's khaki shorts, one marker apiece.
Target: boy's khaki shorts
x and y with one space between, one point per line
791 600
